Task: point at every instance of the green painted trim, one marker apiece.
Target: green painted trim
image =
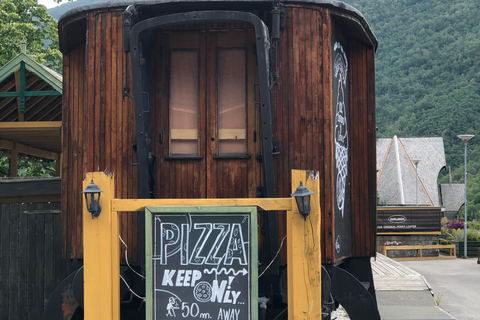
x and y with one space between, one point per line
254 260
32 66
148 264
22 86
251 210
30 94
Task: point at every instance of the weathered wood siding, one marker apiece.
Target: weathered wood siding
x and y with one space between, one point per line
31 263
363 149
98 131
302 121
302 113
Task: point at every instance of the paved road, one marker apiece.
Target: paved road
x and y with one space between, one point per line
457 280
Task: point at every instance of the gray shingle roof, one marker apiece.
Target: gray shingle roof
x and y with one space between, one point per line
453 196
396 178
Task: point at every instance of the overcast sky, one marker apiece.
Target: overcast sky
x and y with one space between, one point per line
48 3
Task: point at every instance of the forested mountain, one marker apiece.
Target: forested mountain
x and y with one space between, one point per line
57 12
427 75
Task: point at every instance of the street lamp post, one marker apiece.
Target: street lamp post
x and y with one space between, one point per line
465 138
415 162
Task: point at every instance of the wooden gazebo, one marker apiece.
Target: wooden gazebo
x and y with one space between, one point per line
30 111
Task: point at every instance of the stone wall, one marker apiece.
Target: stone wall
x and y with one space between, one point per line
408 240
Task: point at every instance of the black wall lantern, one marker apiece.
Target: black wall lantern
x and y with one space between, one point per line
302 196
92 198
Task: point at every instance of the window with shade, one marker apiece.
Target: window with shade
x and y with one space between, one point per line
231 102
184 78
229 105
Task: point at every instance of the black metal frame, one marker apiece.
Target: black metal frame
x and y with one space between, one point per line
353 294
141 89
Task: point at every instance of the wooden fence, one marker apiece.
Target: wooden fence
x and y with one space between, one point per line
31 263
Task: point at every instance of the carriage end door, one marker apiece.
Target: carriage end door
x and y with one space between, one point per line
205 116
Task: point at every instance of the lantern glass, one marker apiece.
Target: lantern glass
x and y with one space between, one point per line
302 196
306 204
92 199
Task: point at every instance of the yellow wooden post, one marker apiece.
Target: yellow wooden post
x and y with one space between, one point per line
101 254
304 253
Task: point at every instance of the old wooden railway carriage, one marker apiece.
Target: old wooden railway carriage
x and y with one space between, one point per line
216 99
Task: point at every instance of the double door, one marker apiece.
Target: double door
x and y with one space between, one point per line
204 112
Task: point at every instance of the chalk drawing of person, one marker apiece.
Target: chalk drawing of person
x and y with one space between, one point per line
341 125
171 306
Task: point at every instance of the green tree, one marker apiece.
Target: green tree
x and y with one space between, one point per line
27 20
28 166
428 77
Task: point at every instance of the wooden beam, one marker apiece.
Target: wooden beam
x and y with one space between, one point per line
30 94
21 148
30 125
51 107
407 208
101 254
14 161
304 253
44 154
267 204
58 113
32 187
31 199
16 83
45 101
17 86
9 85
418 233
5 144
37 86
22 88
9 110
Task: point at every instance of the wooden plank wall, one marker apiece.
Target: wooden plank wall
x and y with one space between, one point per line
363 149
99 126
73 142
31 263
302 114
99 131
302 121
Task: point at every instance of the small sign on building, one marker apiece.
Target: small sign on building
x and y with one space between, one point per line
409 219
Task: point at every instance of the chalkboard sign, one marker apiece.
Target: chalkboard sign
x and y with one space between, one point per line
201 263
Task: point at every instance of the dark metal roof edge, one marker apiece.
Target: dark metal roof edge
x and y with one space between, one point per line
124 3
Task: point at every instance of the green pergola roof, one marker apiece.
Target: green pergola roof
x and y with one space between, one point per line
48 75
29 91
17 69
30 109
